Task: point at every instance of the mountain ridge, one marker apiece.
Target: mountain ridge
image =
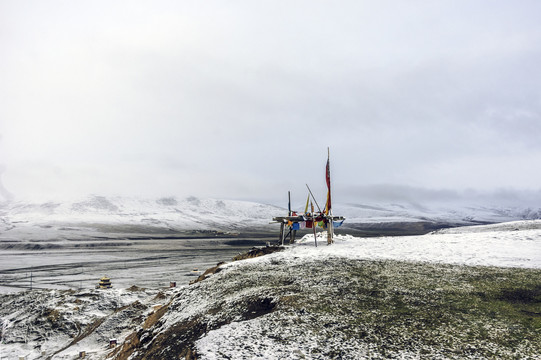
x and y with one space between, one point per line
163 216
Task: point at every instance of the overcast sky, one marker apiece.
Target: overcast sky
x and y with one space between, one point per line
240 99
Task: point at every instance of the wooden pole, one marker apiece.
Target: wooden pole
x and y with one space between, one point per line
313 221
329 230
289 212
281 234
314 227
313 198
289 203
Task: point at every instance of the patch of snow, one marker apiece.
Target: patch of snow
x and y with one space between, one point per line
515 244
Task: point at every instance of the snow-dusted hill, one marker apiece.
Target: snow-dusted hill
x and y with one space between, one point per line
99 217
456 214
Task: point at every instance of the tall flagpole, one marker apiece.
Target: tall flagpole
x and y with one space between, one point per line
289 203
330 229
328 204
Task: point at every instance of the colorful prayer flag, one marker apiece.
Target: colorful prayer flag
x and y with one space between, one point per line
328 179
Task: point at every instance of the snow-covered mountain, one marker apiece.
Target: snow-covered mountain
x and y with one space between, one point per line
414 218
100 216
459 213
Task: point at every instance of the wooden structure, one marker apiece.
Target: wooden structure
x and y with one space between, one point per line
310 220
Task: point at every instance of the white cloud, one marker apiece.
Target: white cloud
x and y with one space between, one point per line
239 100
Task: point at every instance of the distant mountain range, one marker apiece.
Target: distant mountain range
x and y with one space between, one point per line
100 216
403 218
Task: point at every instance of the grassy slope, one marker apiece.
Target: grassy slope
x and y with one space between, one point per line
338 308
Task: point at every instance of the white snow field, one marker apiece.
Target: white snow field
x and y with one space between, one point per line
512 244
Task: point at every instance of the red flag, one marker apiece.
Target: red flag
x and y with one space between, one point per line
328 179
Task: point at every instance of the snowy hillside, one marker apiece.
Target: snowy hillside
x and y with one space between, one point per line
470 292
431 215
117 216
110 217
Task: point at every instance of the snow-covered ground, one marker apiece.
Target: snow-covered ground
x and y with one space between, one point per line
57 324
514 244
